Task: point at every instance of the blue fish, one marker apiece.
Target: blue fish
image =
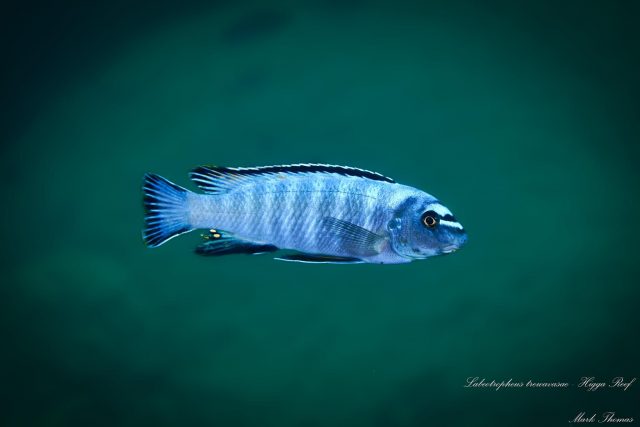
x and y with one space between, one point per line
325 213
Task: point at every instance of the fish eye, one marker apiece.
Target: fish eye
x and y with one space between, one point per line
430 219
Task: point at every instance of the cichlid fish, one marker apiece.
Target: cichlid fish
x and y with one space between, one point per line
327 214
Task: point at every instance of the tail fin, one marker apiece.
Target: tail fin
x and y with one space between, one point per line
165 210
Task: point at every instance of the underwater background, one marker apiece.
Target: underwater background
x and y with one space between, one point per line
522 117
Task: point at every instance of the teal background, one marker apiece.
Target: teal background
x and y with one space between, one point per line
523 118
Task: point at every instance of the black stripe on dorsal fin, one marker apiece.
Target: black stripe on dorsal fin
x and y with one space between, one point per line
215 179
303 168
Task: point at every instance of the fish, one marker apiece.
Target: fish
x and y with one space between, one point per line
315 213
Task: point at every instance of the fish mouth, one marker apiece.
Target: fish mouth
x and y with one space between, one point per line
455 245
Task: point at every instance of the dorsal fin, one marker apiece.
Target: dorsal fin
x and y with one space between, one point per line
218 179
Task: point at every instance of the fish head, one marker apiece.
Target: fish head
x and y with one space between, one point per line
423 227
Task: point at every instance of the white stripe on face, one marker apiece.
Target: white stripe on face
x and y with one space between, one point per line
451 224
439 209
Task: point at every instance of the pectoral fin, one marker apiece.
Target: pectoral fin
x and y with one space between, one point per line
319 259
352 238
221 243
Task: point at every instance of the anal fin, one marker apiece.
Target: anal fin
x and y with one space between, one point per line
221 243
319 259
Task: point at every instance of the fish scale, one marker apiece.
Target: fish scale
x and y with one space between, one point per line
304 206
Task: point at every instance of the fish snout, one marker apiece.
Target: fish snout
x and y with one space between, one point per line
457 242
462 240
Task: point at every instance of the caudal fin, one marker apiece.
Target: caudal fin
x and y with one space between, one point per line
165 210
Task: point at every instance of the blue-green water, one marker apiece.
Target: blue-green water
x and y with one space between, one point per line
523 119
